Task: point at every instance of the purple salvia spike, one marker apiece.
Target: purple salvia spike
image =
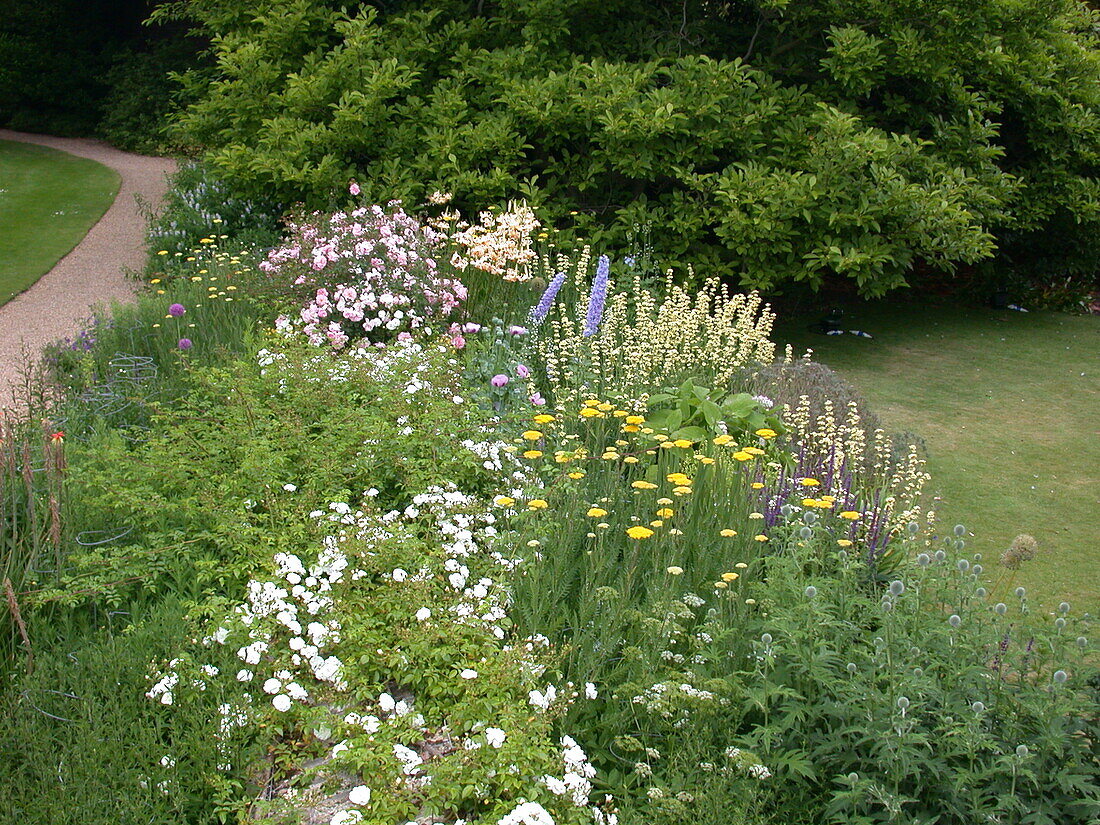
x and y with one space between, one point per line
598 297
542 308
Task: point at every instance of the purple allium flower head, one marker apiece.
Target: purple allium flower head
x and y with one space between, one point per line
176 310
542 308
499 380
598 297
185 343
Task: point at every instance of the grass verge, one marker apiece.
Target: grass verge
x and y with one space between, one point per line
1006 403
48 202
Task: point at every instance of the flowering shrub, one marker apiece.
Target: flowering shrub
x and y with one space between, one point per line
371 273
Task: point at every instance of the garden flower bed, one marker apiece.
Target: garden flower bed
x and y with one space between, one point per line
467 534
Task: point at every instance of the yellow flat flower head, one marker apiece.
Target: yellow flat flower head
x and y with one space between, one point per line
631 428
809 502
720 585
656 523
664 512
596 512
590 412
743 455
532 453
630 460
543 418
766 432
705 459
643 485
758 485
723 439
810 482
673 570
760 537
754 451
635 420
532 435
851 515
638 532
678 478
730 577
844 542
683 443
538 504
727 533
576 474
504 501
681 491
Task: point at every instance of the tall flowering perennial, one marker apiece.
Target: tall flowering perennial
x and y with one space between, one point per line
542 308
371 273
643 340
598 298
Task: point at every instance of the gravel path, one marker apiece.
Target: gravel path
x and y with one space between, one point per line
95 271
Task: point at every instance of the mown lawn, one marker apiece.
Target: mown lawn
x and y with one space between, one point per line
48 202
1008 404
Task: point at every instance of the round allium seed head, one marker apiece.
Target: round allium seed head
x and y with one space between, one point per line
810 592
786 510
1021 751
960 544
897 587
851 667
954 620
903 702
1063 607
1060 623
923 559
918 672
805 533
978 707
1010 560
887 604
977 569
1082 642
1024 546
1060 676
1001 608
940 556
853 777
960 530
981 592
809 517
913 528
963 565
766 638
1020 592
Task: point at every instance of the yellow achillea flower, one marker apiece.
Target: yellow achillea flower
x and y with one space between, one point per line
810 482
727 533
766 432
660 437
635 419
562 457
610 455
543 418
532 435
631 428
851 515
740 565
630 460
668 445
577 474
758 485
596 512
504 501
756 515
678 478
760 537
682 443
605 407
721 585
532 453
664 512
705 459
590 412
656 523
620 413
809 502
643 485
743 455
754 451
674 570
591 402
638 532
664 501
844 542
538 504
730 577
723 439
681 491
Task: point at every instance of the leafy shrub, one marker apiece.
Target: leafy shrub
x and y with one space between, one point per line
769 142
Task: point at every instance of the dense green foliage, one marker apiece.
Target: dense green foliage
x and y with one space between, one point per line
84 67
873 140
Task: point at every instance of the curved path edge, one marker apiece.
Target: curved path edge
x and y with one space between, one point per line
94 272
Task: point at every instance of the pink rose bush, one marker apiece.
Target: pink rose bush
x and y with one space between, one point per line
371 274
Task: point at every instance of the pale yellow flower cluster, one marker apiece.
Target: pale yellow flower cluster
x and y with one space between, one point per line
500 244
646 341
844 441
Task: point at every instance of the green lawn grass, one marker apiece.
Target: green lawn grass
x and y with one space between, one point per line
1009 406
48 202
